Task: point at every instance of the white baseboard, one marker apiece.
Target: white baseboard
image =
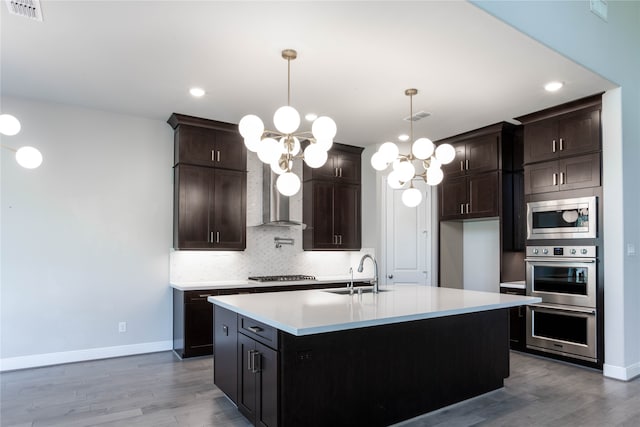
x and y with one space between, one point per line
37 360
621 373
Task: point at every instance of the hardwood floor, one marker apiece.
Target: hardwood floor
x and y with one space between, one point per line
160 390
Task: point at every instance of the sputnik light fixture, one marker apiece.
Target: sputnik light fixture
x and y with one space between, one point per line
280 147
27 157
424 154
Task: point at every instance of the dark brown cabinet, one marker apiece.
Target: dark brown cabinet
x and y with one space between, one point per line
565 135
565 174
562 147
209 185
192 323
209 208
517 321
475 196
332 202
474 155
343 164
225 339
257 381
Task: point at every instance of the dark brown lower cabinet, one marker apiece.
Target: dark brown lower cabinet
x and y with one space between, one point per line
225 339
192 326
257 382
517 321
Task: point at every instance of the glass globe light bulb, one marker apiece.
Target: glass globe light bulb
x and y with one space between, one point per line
251 127
434 176
288 183
324 128
411 197
315 156
422 148
269 150
28 157
404 169
252 144
277 166
389 151
434 163
325 144
296 145
378 162
286 119
9 125
445 153
393 180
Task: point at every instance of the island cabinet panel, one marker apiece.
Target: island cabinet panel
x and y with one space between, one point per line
381 375
225 364
332 202
257 382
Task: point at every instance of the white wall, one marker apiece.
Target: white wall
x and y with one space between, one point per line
481 246
85 238
610 49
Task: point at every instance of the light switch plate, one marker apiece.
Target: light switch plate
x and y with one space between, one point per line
631 249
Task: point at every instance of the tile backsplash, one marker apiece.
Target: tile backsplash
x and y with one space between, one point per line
261 257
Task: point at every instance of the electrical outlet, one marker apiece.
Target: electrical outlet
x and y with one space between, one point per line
122 327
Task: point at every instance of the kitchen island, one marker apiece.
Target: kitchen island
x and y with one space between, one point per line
318 358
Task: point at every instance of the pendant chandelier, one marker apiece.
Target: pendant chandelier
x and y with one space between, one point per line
424 161
280 147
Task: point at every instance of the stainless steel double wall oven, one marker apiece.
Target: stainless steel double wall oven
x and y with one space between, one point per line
562 269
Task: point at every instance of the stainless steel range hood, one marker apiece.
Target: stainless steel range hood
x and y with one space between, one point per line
275 206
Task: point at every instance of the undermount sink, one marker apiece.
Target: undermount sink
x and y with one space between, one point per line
347 291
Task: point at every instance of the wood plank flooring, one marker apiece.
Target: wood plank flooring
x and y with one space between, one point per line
160 390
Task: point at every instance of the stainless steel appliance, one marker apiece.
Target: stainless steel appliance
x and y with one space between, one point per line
565 277
562 274
562 219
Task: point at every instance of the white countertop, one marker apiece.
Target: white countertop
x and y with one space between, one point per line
318 311
230 284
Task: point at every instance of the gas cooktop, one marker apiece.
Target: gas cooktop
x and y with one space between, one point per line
283 278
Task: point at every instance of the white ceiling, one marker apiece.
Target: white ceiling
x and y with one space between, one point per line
355 59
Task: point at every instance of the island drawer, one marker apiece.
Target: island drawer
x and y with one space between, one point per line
267 335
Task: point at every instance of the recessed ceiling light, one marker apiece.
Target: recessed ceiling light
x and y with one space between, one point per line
311 117
403 137
553 86
197 92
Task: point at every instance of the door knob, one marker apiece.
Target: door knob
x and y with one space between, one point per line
390 276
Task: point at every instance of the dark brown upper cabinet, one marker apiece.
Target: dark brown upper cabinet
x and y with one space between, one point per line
332 202
472 184
562 147
210 185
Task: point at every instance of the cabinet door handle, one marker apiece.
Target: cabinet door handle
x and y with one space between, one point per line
218 155
340 172
211 237
561 178
255 329
225 329
561 144
467 207
213 156
466 164
256 362
555 179
250 360
553 146
217 237
339 239
461 208
461 165
390 276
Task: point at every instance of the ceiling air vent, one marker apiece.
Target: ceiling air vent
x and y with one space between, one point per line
417 116
27 8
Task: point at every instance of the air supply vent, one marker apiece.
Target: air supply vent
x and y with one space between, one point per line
27 8
417 116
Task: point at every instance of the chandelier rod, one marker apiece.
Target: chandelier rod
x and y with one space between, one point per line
289 54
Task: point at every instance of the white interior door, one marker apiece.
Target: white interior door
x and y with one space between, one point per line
408 240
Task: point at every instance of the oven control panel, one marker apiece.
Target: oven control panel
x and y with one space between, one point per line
562 251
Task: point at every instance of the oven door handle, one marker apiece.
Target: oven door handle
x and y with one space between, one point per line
573 309
564 260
